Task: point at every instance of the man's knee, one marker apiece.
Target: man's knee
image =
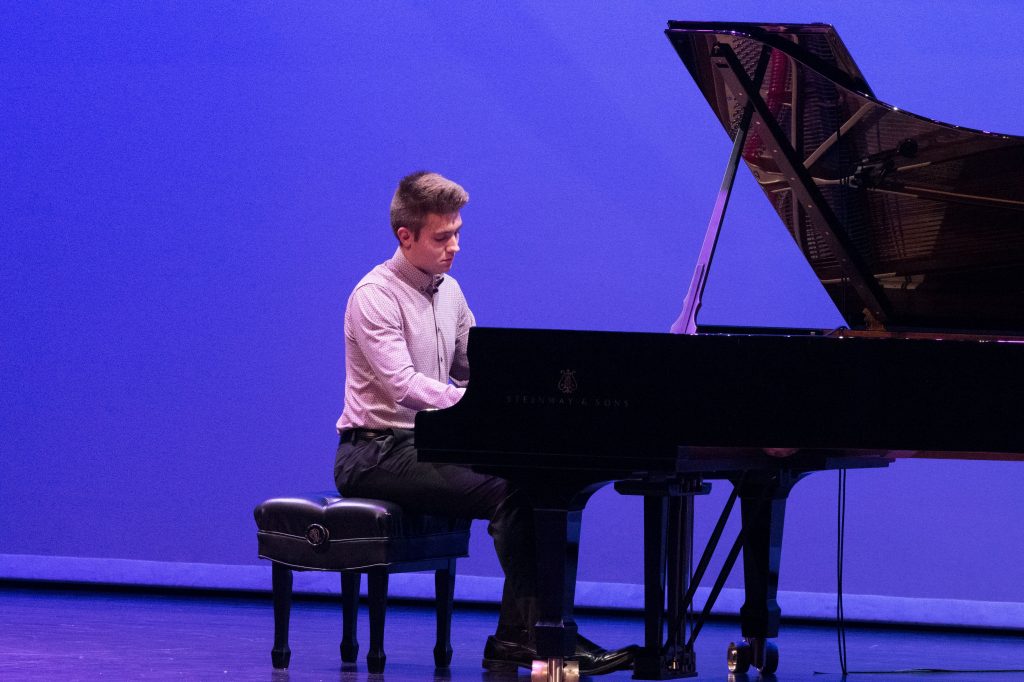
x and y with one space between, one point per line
513 509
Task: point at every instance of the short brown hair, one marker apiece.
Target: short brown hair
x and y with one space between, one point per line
421 193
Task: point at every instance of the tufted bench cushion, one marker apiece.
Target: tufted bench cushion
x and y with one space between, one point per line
328 532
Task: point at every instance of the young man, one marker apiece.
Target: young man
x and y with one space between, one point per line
406 328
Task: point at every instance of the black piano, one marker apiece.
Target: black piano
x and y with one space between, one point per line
915 229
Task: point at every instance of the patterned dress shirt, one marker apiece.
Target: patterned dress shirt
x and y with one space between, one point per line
405 345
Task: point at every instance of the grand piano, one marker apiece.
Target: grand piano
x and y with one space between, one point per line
915 229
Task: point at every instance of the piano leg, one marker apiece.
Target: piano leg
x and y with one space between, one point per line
558 544
763 506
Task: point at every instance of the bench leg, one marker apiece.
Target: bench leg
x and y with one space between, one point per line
377 591
282 584
444 595
349 616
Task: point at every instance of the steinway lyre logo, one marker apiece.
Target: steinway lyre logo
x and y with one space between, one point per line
567 384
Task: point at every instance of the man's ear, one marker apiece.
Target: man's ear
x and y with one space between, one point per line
405 236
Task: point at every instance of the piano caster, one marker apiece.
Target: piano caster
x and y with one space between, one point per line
753 651
738 657
555 670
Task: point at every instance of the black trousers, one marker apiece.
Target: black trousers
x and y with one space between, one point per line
386 468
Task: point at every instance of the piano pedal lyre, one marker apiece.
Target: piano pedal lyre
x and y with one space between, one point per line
555 670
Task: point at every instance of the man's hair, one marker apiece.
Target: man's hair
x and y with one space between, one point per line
421 193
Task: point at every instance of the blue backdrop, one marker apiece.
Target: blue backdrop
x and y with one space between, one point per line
188 192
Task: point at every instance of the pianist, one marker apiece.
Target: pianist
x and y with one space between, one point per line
406 326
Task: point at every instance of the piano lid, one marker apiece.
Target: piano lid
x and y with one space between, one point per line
909 223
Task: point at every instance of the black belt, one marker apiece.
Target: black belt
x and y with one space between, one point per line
361 435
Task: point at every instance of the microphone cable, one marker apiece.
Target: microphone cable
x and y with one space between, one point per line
841 616
840 542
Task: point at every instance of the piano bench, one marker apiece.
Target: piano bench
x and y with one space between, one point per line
326 532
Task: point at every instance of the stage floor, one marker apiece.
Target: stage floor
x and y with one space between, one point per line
81 634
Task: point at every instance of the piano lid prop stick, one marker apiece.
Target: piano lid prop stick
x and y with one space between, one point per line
687 321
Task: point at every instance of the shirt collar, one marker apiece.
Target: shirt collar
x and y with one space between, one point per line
412 275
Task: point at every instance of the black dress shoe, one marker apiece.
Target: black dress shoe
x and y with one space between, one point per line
503 656
595 660
586 646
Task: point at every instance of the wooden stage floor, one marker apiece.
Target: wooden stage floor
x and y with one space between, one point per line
71 633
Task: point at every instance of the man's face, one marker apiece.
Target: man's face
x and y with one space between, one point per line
438 242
